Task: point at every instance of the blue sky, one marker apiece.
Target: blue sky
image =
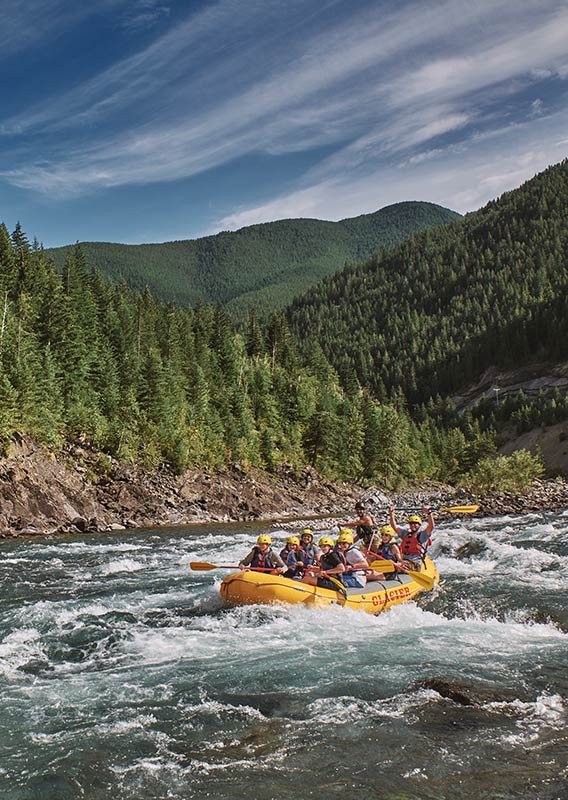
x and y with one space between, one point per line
153 120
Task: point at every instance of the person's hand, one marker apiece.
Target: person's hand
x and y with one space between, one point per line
242 567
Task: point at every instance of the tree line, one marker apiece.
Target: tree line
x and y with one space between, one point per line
261 266
151 383
429 316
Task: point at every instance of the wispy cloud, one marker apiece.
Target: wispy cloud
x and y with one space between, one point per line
461 176
382 87
144 14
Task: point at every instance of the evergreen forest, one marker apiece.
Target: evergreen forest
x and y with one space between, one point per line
428 317
261 266
353 379
83 358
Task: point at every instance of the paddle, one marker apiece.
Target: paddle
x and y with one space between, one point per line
388 566
201 566
448 509
381 565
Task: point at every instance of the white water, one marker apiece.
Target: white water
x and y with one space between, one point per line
121 674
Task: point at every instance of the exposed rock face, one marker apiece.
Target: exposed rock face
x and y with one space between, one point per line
551 495
41 494
83 491
38 494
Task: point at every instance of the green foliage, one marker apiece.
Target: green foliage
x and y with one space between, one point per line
327 384
431 315
512 473
261 266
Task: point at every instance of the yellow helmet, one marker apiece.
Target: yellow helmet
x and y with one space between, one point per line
264 538
308 532
345 535
387 530
326 540
415 518
293 540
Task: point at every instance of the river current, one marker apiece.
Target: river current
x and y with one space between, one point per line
122 676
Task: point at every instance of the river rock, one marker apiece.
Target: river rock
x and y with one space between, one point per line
467 694
41 492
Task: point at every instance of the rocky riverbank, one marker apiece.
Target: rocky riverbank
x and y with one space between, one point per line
86 491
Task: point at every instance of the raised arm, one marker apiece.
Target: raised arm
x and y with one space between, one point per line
429 520
392 521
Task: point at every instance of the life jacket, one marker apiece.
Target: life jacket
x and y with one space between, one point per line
385 551
326 563
311 552
292 563
284 553
265 561
410 545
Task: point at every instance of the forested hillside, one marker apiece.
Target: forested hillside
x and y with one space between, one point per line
348 382
262 266
84 359
429 316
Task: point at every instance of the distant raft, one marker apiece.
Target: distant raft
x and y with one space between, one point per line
252 588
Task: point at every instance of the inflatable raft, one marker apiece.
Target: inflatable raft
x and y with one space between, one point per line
250 588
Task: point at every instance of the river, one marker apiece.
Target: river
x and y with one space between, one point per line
121 675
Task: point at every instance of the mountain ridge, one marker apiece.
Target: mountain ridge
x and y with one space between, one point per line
263 265
432 314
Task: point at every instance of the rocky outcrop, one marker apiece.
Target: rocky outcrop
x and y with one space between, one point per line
542 495
83 490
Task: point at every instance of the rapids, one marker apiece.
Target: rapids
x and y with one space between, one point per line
122 676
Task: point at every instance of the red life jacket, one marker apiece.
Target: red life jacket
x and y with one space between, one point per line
410 546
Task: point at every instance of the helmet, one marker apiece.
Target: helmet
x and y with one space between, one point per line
326 540
345 535
308 532
293 540
415 518
264 538
360 505
387 530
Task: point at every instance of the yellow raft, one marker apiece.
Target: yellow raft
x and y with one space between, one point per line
250 588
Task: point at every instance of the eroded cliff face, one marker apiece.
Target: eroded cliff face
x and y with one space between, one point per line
40 494
80 490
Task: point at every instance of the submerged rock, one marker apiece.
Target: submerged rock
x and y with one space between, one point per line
469 549
467 694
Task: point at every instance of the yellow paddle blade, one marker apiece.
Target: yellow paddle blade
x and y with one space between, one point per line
424 580
388 566
460 509
382 565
